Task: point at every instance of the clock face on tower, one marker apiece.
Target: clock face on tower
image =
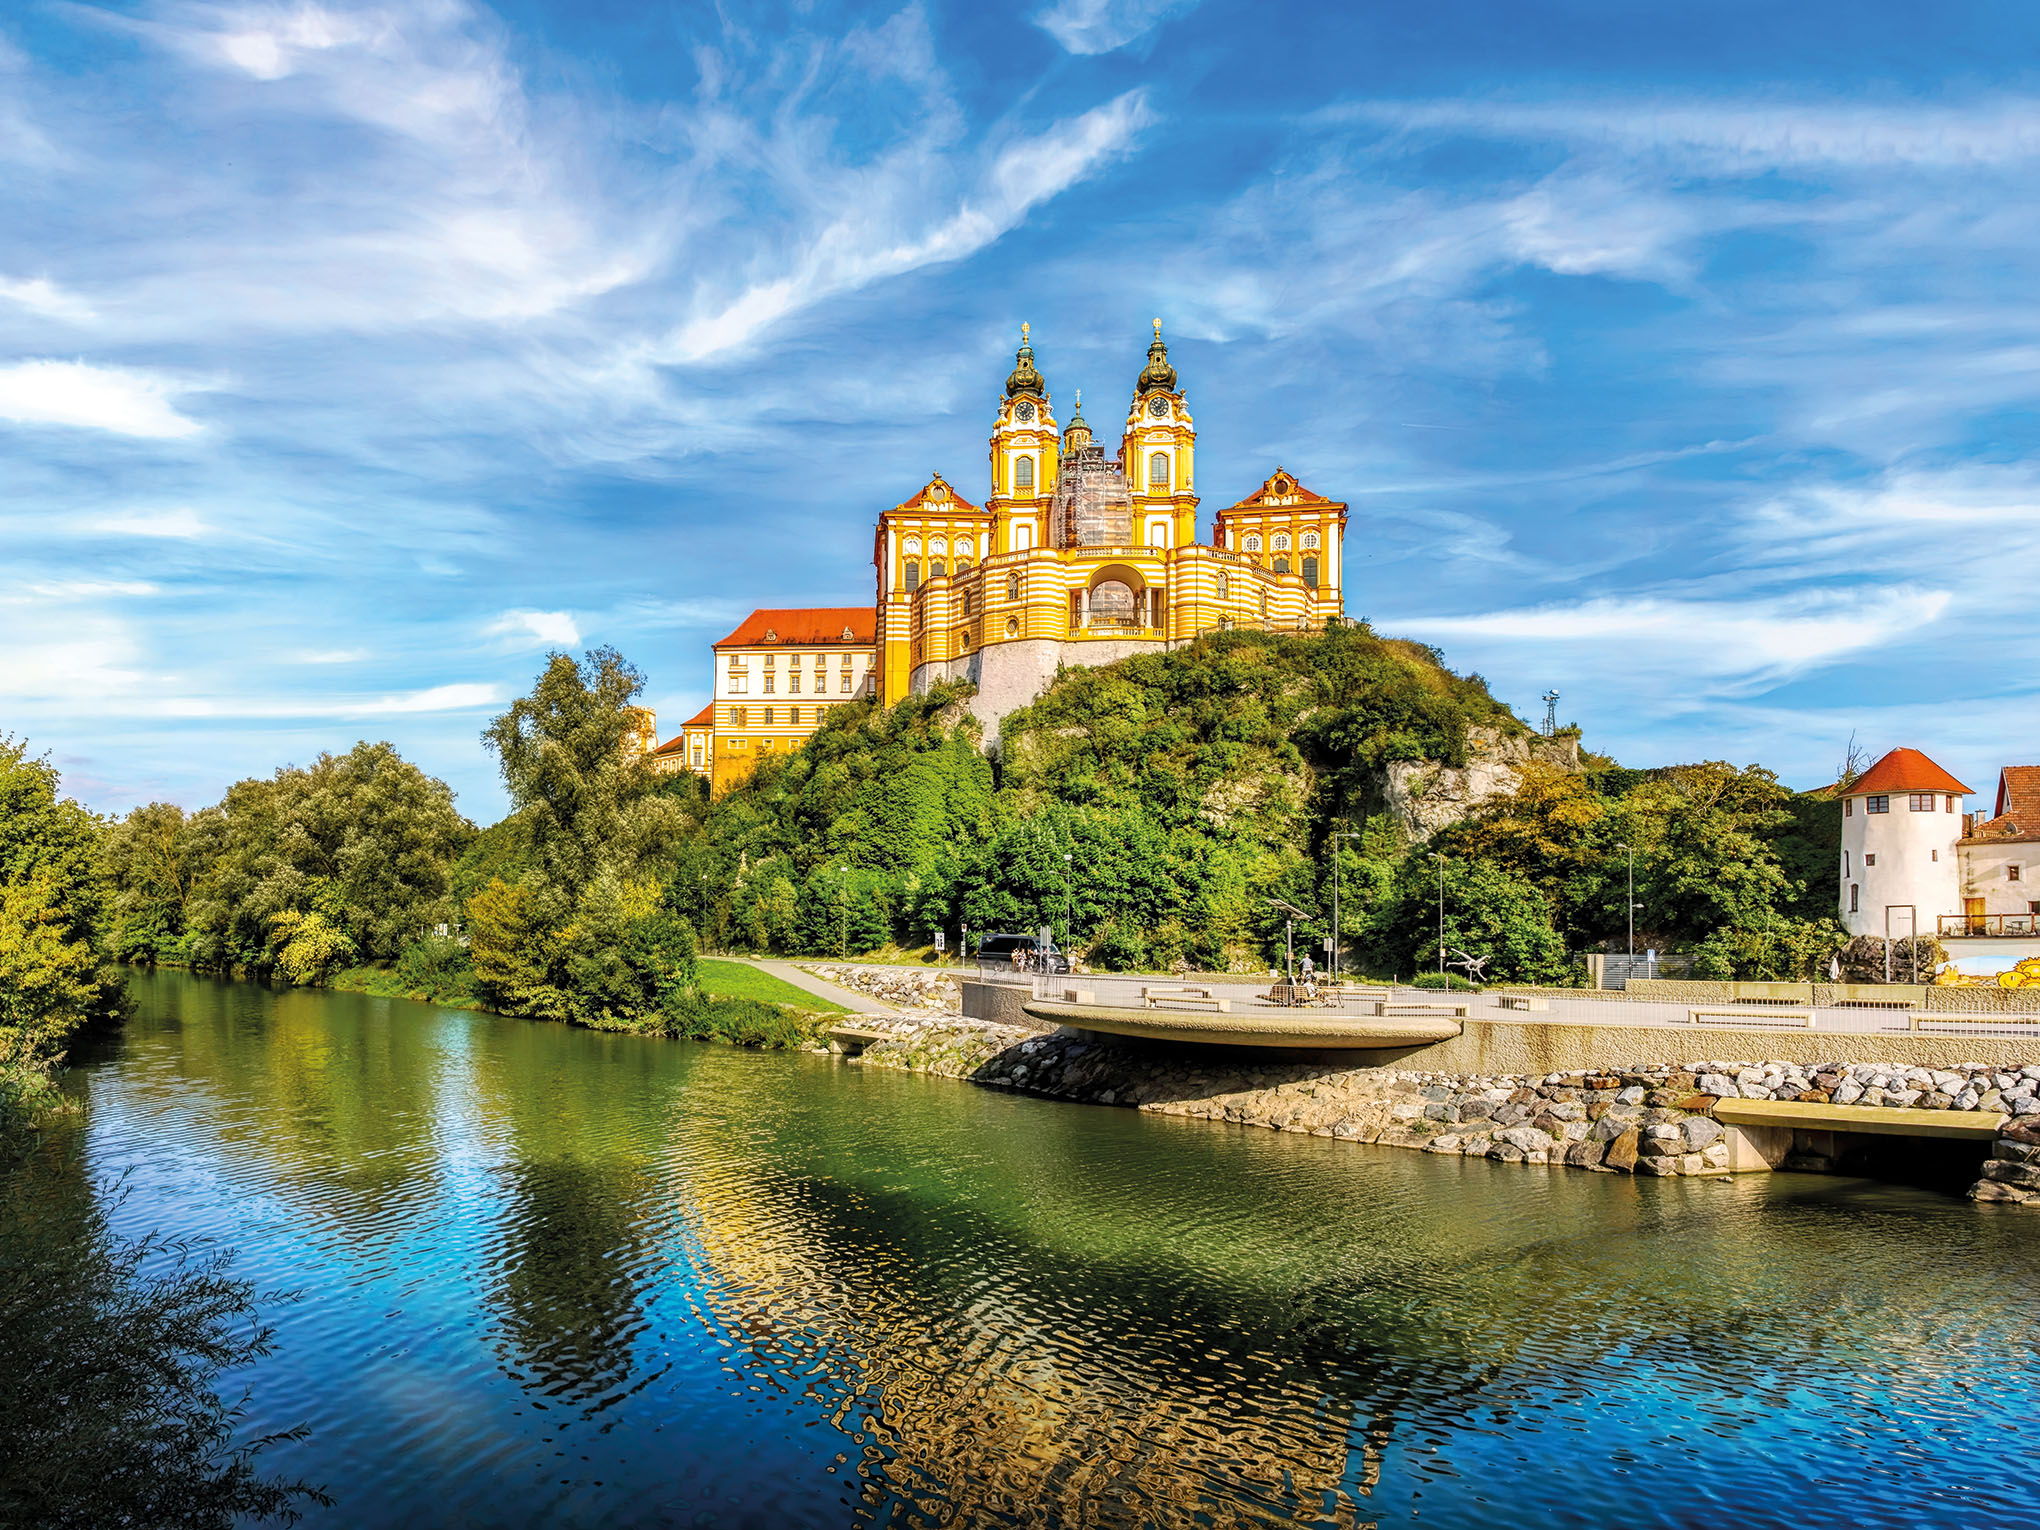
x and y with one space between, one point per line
1024 413
1159 408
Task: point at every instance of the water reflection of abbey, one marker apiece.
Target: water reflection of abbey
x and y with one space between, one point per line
1041 1404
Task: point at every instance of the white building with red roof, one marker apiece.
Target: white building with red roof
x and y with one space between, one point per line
777 677
1902 822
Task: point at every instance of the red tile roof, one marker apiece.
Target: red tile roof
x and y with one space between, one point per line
831 625
1903 770
1280 485
2018 806
678 741
941 504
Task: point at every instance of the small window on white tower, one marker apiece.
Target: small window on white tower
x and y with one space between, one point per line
2014 872
1921 802
1158 471
1870 859
1853 906
1876 804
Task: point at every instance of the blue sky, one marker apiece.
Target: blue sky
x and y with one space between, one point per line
1685 359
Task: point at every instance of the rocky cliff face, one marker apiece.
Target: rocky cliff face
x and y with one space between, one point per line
1427 795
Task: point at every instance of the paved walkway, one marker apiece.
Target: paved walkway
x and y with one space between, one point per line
857 1003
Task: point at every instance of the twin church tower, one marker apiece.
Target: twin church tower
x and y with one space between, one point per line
1083 555
1079 554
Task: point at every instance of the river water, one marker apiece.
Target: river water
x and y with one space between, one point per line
548 1277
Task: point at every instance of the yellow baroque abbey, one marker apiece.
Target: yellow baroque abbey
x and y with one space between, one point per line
1077 556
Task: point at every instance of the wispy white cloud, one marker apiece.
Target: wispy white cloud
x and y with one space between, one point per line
122 400
39 295
437 698
876 238
1103 26
1735 645
1743 135
330 655
177 523
554 628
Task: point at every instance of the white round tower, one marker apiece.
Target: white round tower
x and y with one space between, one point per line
1901 820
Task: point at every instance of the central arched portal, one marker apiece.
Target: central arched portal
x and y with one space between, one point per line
1117 599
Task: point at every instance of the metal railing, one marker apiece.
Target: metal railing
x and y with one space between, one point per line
1956 926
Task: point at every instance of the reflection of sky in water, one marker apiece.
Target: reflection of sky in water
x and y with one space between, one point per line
559 1278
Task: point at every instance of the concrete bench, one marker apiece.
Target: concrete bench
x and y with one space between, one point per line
1954 1017
1184 998
1799 1018
1386 1007
1523 1001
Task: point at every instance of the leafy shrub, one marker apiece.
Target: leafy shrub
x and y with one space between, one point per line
1446 980
436 967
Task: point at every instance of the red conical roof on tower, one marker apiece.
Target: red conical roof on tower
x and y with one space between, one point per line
1903 770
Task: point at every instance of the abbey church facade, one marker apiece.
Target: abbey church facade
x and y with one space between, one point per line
1078 554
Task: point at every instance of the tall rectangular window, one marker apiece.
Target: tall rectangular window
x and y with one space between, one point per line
2014 872
768 710
1852 898
768 682
846 682
1951 804
740 716
793 682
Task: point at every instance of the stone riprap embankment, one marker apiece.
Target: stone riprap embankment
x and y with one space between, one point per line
901 987
1654 1120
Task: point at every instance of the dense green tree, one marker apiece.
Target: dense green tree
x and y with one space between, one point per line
54 972
577 919
364 840
151 860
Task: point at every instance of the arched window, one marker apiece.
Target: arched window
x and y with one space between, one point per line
1281 564
1158 470
1310 569
913 547
936 570
939 546
1281 542
1023 477
913 574
963 565
1310 541
1012 587
1253 544
1225 587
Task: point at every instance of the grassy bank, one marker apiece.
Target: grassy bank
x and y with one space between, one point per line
740 980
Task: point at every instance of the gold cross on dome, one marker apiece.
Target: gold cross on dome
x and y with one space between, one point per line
1023 331
1158 329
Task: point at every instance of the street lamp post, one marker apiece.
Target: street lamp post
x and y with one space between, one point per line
1337 929
1441 914
1069 901
1632 902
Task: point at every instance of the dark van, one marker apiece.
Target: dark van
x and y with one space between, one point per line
997 950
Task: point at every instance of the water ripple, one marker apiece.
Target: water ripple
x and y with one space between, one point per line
555 1278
